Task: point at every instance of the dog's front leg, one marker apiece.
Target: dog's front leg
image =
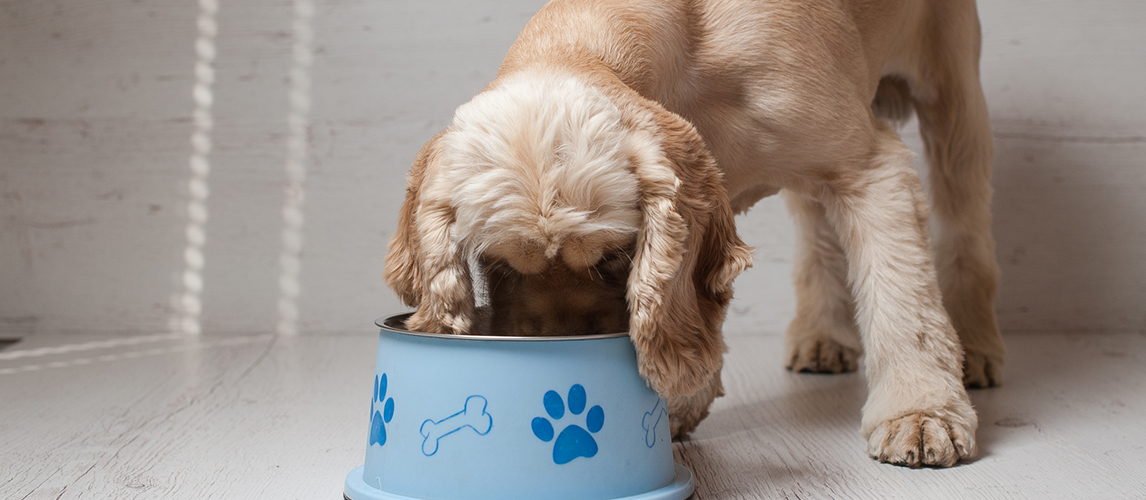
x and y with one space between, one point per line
687 411
917 411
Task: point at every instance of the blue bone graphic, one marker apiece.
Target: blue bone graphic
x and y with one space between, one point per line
650 421
472 416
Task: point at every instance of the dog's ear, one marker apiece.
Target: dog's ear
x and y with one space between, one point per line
687 255
402 270
424 266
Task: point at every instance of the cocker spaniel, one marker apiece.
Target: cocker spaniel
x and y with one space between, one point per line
591 187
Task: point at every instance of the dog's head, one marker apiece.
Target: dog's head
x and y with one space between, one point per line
584 213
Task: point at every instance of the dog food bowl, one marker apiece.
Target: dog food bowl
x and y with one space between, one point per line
487 417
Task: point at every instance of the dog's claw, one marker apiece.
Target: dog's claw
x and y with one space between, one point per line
822 355
918 440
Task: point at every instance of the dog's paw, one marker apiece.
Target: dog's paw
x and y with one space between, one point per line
683 418
682 423
821 355
685 412
918 439
982 369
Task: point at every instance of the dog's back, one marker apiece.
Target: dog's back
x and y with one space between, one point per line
756 78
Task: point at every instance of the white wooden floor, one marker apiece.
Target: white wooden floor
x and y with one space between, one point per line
265 417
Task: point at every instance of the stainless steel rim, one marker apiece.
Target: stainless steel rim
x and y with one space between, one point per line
397 324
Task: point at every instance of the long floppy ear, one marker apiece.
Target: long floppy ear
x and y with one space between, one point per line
402 271
687 255
424 266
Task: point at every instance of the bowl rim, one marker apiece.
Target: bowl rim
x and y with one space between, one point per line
397 324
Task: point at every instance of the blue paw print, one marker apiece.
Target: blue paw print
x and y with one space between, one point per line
573 441
380 414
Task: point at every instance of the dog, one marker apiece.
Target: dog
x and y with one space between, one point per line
591 187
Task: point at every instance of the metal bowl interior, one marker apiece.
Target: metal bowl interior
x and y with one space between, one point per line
397 324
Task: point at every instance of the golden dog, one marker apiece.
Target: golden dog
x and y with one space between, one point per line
591 187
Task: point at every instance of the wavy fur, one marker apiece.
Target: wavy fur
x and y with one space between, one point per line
592 186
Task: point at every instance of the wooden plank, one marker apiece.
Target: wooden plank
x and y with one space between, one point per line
1064 425
223 417
260 417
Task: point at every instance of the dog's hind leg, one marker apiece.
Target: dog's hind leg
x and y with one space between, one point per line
822 337
917 411
956 131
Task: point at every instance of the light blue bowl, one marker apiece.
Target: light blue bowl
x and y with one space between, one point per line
476 417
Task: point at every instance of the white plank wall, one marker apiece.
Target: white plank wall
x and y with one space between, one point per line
96 115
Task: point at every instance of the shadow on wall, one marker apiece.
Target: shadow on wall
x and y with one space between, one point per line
1068 229
6 342
1066 106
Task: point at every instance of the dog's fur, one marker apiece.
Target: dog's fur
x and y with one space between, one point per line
592 185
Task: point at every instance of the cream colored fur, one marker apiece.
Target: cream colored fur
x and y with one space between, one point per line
593 185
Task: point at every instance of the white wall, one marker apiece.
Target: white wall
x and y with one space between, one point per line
96 120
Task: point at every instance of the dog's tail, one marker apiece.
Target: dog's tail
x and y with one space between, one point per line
892 100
